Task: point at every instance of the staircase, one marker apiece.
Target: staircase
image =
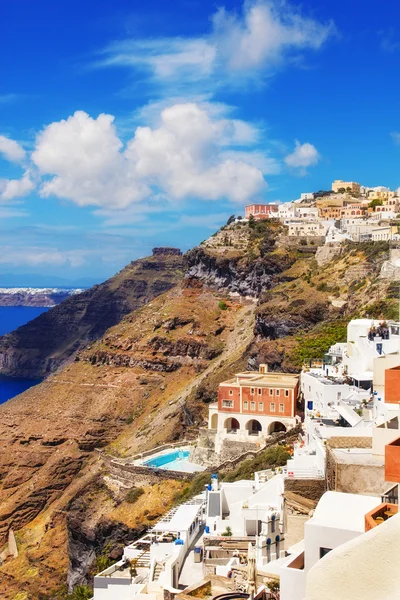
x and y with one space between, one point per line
157 570
143 560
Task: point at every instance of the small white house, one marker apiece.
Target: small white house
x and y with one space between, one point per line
338 519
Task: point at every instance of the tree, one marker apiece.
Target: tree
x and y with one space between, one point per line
230 220
375 202
341 190
252 222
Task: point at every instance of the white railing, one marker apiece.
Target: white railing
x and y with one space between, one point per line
311 473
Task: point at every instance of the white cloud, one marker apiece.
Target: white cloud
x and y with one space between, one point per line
264 34
395 135
240 45
303 156
11 150
16 188
84 160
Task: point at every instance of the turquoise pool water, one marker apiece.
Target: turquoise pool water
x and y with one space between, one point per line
175 460
165 459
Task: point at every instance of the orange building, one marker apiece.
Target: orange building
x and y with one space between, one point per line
255 404
392 385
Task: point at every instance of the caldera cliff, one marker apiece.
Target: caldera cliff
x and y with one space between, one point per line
247 295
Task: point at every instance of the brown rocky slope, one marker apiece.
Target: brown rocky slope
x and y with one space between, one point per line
52 339
147 381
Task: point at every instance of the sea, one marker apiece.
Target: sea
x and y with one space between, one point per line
12 317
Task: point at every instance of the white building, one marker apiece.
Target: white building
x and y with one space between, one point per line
154 563
307 196
338 519
367 565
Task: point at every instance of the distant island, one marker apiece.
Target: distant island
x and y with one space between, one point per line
29 296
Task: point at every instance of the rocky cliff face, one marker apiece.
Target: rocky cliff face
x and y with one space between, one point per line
147 380
52 339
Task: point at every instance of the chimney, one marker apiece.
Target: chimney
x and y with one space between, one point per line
263 368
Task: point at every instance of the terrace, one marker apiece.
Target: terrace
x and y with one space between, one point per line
379 515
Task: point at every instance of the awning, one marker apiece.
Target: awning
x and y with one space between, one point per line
348 414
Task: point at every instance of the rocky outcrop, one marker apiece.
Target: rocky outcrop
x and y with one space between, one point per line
52 339
270 325
235 275
89 539
166 251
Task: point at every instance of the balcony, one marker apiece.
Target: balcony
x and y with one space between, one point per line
379 515
392 461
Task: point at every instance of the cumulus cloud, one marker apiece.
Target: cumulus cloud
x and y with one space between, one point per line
256 40
16 188
303 156
11 150
83 159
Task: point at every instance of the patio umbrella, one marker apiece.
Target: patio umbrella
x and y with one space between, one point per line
251 572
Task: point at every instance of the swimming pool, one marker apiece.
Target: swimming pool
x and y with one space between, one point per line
174 460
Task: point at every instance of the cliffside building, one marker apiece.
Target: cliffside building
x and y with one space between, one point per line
351 186
253 405
261 211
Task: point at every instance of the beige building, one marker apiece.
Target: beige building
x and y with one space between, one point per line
351 186
307 228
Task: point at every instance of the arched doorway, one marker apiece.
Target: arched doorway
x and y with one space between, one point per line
214 421
232 425
254 427
276 427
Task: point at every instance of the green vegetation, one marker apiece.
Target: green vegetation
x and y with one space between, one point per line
383 309
227 532
222 305
277 456
375 202
230 220
133 495
195 487
252 222
315 344
371 250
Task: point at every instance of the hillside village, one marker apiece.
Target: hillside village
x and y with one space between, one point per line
339 420
275 335
349 211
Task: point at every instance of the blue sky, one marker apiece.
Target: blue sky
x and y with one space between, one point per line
125 126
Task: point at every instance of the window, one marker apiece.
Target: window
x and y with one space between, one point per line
252 406
245 405
261 406
287 393
271 392
252 391
272 407
259 391
339 395
231 392
324 551
227 403
281 408
278 392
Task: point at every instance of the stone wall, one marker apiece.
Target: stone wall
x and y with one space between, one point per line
350 442
326 253
308 488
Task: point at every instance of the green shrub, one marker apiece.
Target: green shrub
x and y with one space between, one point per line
322 287
222 305
314 344
133 495
276 456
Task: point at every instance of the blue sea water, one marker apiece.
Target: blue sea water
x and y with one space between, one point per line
12 317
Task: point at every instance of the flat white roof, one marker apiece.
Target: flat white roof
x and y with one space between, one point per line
348 413
181 520
343 511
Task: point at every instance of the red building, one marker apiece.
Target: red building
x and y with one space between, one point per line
256 403
260 211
